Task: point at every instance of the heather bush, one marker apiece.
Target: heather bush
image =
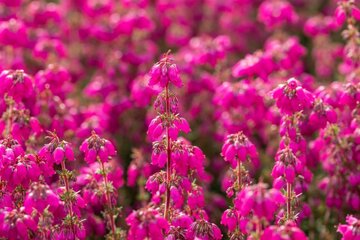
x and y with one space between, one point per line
179 120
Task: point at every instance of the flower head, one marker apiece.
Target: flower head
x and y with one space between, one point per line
15 223
96 147
17 84
291 97
57 150
351 230
165 72
258 200
204 230
146 223
238 146
286 231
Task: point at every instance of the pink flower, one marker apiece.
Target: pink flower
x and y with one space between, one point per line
319 25
321 115
66 231
164 72
116 175
186 157
203 230
291 97
258 200
95 147
41 13
196 198
276 13
132 175
179 226
286 165
286 231
153 182
56 151
351 96
238 147
55 77
250 66
47 48
17 84
11 3
92 183
146 223
158 126
39 197
207 50
10 149
346 9
15 223
230 219
351 230
285 53
22 171
94 8
14 33
177 196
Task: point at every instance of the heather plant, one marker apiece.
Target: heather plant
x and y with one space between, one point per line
237 150
56 152
176 192
253 134
97 149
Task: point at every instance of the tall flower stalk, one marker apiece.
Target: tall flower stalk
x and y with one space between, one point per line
236 150
167 124
101 150
168 151
290 163
58 151
176 190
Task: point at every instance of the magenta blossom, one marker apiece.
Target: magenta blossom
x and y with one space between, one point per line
238 147
230 219
17 84
95 147
39 197
346 9
158 126
287 165
291 97
15 224
287 231
260 201
56 151
321 115
22 171
351 230
203 230
165 71
276 13
146 223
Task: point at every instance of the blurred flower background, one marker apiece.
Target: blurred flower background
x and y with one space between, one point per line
182 119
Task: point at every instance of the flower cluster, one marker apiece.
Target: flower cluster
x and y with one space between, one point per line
350 230
174 191
290 171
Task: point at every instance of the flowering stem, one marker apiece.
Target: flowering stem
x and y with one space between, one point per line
9 118
288 200
108 199
67 189
258 228
239 174
168 163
